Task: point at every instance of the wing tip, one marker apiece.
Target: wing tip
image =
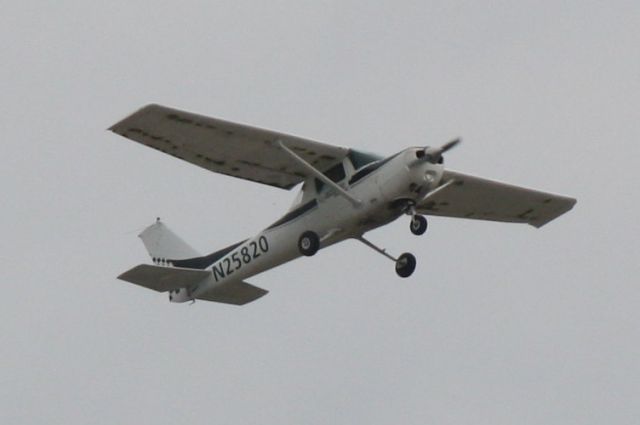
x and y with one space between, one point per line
141 110
566 206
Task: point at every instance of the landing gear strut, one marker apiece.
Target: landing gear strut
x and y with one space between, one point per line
418 223
405 264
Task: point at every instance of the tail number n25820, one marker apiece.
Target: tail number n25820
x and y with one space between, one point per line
235 261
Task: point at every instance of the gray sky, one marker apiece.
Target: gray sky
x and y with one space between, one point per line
500 324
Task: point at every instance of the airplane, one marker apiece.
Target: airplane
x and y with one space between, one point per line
344 193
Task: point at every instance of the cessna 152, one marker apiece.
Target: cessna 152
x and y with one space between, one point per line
345 193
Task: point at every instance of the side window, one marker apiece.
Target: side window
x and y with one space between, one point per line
335 173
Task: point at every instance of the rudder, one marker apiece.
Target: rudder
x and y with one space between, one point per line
162 244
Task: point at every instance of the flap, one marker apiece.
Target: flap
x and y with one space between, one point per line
482 199
225 147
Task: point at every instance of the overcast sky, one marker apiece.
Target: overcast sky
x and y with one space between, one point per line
500 324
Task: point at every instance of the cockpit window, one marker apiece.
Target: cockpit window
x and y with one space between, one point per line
360 159
365 171
335 173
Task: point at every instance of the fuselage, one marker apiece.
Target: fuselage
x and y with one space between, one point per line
384 191
345 193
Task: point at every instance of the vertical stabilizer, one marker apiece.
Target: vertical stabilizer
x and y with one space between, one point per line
162 244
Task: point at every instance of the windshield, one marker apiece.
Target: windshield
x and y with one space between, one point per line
359 159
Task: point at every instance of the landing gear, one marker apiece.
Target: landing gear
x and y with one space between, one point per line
418 225
405 265
309 243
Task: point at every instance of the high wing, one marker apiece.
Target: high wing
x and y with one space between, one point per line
482 199
228 148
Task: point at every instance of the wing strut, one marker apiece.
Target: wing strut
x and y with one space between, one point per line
356 202
437 190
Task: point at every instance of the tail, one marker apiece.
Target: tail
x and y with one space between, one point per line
180 280
164 246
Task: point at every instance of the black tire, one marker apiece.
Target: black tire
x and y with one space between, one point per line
405 265
418 225
309 243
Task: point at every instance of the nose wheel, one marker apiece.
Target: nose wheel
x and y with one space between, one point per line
418 224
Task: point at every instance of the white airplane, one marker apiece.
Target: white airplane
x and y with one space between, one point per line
345 193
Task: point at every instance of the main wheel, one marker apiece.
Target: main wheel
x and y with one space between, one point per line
418 225
405 265
308 243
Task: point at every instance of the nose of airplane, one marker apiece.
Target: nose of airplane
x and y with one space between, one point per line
434 155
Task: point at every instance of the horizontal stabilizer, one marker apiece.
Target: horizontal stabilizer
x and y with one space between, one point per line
237 293
163 279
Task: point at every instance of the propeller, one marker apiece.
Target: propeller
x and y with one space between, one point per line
434 155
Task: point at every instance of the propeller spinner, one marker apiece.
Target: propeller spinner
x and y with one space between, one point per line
434 154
